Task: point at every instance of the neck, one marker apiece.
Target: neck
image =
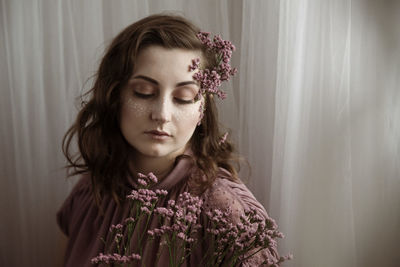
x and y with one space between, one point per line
159 166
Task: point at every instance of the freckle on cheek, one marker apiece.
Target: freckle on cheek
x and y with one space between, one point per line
136 107
187 114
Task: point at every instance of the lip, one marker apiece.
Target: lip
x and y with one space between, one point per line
159 133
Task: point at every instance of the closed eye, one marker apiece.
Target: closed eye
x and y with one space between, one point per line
143 95
181 101
178 100
191 101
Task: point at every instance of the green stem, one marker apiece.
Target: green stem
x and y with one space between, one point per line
170 253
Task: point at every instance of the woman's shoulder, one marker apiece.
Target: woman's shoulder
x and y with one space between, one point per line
84 183
82 188
227 194
78 198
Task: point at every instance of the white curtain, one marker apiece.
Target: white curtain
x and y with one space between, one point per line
315 109
336 158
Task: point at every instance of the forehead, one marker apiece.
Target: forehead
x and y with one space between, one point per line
165 63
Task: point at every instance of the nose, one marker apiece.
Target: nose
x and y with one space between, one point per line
161 111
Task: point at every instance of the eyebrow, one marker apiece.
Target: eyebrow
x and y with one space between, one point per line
156 83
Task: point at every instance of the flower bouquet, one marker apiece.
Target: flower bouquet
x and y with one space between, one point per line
229 244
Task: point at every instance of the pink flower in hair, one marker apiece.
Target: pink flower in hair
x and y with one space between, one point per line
210 79
223 139
195 64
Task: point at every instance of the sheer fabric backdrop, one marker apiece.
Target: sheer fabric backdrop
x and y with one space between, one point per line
315 108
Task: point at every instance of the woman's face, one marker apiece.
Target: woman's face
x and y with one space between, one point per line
160 108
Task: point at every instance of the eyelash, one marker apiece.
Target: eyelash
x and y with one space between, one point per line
180 101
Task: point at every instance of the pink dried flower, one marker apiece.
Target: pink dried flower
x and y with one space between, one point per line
114 258
181 235
183 215
205 39
164 212
117 227
141 175
251 233
150 232
152 177
223 139
210 79
145 210
146 180
129 220
195 64
161 192
142 182
118 237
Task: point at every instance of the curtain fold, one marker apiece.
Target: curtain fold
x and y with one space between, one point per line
315 108
312 169
256 91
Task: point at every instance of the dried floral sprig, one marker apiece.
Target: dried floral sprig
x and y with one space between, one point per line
223 139
238 243
142 204
178 226
210 79
115 258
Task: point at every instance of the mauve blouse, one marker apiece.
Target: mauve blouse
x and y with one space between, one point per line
81 221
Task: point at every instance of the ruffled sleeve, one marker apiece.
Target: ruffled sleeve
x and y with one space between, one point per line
79 194
237 198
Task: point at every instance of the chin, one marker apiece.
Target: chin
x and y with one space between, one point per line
156 151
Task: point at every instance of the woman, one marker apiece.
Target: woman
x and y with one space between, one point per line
151 111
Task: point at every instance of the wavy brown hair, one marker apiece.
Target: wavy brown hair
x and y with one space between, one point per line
103 151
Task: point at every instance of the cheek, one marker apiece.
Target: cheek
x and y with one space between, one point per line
188 115
136 108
